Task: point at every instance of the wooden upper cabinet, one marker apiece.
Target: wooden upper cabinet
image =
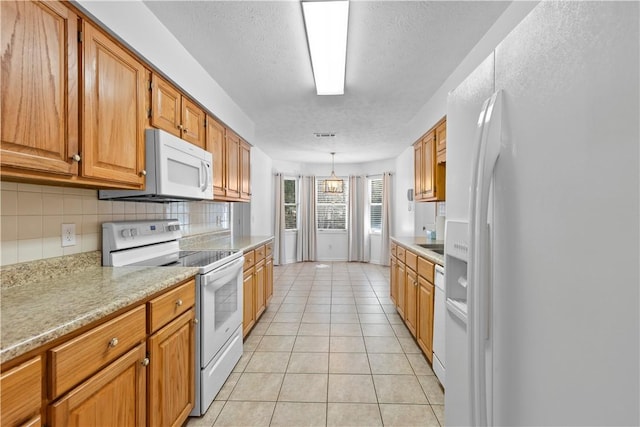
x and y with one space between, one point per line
193 120
115 85
429 165
245 171
233 165
441 141
165 106
216 145
39 98
175 113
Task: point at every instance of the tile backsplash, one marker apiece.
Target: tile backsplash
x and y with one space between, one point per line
32 217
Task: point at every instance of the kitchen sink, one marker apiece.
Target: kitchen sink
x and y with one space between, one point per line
435 247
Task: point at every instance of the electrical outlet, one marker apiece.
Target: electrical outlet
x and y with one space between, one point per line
68 235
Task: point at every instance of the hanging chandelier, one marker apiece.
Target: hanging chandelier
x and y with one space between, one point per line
333 184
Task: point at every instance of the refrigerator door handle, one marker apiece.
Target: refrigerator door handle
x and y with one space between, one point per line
479 263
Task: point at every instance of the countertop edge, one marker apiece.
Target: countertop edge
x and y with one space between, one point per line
411 243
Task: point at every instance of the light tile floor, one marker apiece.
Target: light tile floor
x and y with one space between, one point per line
329 351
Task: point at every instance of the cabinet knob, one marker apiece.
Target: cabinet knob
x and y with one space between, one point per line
113 342
76 157
185 130
143 172
180 127
179 303
195 321
145 361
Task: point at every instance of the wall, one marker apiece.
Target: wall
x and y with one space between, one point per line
261 209
32 215
403 212
333 245
153 41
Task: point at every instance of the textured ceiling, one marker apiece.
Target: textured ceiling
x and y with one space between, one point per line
398 54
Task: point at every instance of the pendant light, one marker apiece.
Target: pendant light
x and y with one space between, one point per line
333 184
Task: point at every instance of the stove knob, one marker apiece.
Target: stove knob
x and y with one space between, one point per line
125 233
134 232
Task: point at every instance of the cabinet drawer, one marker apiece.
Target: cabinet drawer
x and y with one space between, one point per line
425 269
411 260
21 393
249 259
268 248
394 251
260 253
400 253
78 358
166 307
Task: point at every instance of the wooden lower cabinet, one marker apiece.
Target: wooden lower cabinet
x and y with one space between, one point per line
269 280
393 292
248 310
411 301
401 278
260 282
21 394
425 317
171 372
115 396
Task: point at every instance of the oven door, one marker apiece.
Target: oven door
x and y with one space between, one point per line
184 169
221 307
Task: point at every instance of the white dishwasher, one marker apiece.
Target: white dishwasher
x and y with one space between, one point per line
439 311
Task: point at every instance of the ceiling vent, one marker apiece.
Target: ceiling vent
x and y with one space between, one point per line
324 134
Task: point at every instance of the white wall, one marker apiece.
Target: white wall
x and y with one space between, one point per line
374 249
332 245
403 210
134 24
262 208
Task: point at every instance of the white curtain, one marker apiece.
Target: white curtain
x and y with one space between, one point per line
307 234
386 218
358 248
279 255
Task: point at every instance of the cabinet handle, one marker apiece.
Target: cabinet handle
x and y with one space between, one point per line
113 342
180 127
76 157
195 321
185 130
145 361
143 172
179 303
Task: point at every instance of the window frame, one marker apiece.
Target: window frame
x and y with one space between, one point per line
345 193
370 203
296 204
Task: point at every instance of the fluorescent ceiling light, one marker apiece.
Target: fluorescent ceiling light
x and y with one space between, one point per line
326 24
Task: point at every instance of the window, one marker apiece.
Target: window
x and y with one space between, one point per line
375 204
331 208
290 204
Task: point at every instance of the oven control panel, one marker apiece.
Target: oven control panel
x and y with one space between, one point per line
127 234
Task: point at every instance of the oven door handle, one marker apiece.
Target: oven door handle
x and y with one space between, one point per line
229 270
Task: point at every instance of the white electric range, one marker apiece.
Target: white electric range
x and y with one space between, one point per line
218 315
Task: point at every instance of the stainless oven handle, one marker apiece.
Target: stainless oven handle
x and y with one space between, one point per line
227 269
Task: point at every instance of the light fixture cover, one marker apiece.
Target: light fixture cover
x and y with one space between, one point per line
333 184
326 24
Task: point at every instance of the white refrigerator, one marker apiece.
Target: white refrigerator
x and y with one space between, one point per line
542 236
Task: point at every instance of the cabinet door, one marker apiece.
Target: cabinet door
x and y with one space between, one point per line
113 111
21 394
418 190
245 171
115 396
260 288
441 142
269 279
39 98
216 146
411 301
193 123
401 278
165 105
171 372
233 165
425 317
248 310
393 278
428 163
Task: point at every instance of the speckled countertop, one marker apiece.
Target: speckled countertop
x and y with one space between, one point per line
411 242
43 300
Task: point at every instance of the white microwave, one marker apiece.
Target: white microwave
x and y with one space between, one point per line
176 170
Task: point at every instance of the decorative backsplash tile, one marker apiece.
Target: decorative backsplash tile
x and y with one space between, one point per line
31 218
